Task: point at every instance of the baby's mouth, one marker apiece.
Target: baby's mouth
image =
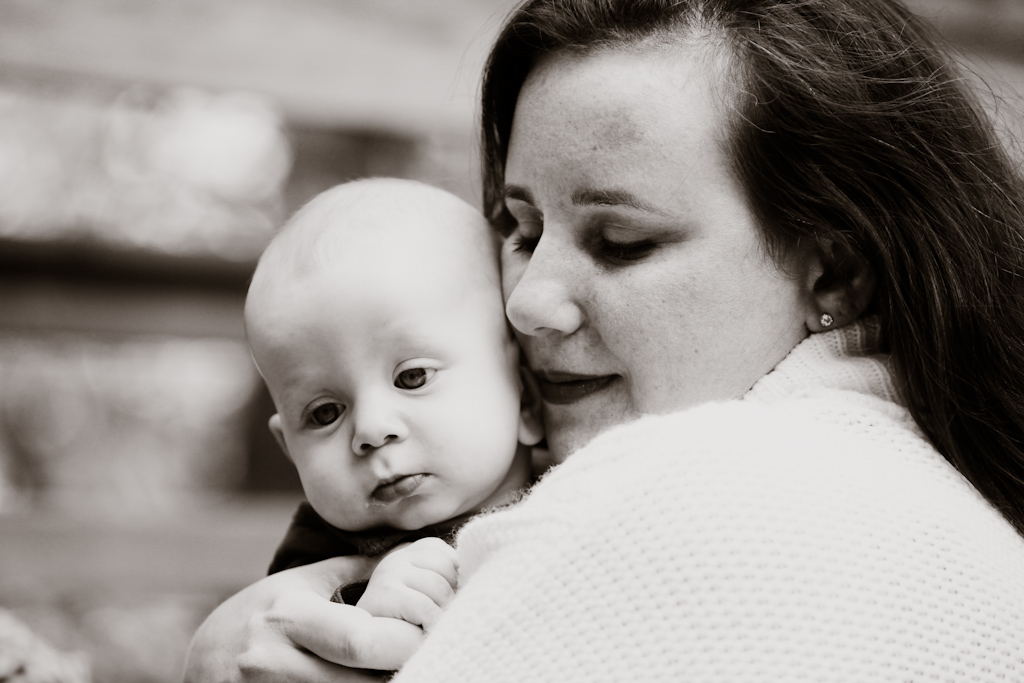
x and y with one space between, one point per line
397 487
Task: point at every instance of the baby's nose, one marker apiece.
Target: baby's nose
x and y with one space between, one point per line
366 447
377 424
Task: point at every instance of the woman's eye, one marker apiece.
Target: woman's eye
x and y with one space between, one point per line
413 378
525 236
522 244
523 231
325 414
625 252
505 222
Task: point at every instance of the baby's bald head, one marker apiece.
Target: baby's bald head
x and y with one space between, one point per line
407 230
367 219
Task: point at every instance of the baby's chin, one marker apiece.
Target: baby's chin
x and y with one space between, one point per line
403 517
411 520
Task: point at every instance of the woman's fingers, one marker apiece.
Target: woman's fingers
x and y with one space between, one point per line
391 642
350 636
263 633
280 663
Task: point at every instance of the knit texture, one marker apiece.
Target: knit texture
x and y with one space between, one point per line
807 532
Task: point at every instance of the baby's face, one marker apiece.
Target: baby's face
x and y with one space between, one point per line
397 389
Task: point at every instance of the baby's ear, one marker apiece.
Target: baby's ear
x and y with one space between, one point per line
531 423
278 432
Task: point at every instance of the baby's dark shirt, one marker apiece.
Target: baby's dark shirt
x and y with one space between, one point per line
310 539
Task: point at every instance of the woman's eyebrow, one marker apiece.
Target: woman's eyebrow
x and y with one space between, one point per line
595 197
518 192
589 197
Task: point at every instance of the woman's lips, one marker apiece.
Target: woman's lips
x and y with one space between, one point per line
560 388
397 487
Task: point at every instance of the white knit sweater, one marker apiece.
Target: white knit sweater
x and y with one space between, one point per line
807 532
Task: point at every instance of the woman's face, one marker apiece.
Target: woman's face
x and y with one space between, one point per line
635 278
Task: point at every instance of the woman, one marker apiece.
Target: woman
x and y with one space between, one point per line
782 228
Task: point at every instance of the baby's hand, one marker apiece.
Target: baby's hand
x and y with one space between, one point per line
413 583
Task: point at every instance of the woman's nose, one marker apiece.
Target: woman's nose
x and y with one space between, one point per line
543 297
376 424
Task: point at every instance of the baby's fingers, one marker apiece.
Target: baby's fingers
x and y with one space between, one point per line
436 556
431 584
417 608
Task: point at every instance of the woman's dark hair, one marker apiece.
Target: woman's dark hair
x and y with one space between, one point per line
849 128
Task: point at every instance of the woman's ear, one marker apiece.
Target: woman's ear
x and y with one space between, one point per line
531 423
840 285
275 428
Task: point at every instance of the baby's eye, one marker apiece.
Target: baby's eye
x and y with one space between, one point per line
325 414
414 378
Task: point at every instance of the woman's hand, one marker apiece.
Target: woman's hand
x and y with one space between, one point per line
284 628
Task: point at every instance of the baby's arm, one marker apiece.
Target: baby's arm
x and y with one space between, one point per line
413 583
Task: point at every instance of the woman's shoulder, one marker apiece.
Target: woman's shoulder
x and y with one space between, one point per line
828 460
836 539
799 433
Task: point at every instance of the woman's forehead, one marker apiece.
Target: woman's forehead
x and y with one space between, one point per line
706 51
622 86
617 120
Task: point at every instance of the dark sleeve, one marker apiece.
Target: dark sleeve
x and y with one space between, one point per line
349 593
309 539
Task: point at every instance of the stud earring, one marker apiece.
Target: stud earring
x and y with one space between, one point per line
826 320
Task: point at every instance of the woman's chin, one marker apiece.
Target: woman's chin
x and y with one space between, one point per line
562 446
569 428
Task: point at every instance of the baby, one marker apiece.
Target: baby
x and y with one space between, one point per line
376 320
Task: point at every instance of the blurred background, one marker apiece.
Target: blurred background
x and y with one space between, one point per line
148 149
